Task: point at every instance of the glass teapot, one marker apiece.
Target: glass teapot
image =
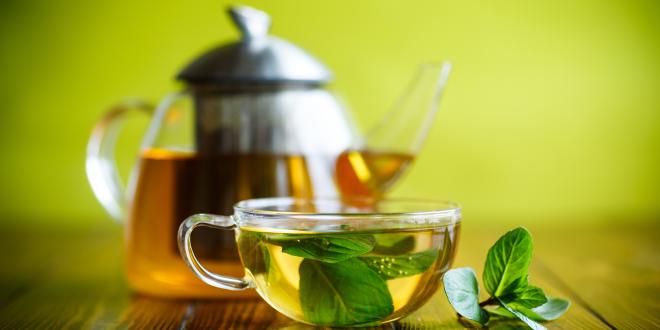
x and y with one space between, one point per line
253 121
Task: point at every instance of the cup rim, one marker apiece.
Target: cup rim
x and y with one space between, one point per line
445 212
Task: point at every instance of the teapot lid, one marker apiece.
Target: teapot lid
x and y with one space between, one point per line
256 58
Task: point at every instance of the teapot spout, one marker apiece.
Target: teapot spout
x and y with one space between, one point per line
405 128
374 164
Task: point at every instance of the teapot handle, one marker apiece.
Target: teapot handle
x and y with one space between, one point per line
100 162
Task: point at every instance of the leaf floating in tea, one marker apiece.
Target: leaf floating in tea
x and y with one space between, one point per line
342 293
447 252
255 253
327 248
394 244
389 267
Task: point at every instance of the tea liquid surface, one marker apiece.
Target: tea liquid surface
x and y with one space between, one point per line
347 279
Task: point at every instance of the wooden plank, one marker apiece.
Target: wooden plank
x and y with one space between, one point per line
237 314
75 280
143 312
613 269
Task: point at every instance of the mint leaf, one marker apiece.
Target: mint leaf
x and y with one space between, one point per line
389 267
522 317
551 310
462 291
519 285
529 298
342 293
507 263
499 311
254 252
394 244
446 253
326 248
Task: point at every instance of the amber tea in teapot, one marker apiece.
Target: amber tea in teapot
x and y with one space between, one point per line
172 185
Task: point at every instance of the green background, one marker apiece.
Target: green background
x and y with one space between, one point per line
552 112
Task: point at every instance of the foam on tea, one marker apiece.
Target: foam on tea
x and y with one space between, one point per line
354 278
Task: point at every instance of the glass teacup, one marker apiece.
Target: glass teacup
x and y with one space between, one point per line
325 262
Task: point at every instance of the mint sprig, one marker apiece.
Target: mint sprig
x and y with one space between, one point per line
506 280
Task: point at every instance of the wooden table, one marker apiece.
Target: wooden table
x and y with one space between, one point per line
59 278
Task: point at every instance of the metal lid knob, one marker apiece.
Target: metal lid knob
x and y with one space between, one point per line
257 59
253 23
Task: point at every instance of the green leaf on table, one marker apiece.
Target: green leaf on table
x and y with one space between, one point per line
551 310
499 311
506 279
507 263
342 293
530 297
462 290
389 267
519 285
326 248
394 244
531 323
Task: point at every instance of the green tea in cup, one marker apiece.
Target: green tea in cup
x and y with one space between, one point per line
327 263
